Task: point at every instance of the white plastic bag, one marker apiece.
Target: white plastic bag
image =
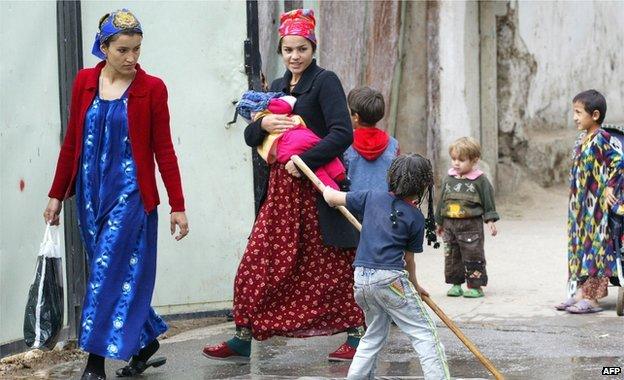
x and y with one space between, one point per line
43 317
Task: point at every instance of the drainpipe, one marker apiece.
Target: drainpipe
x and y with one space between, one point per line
253 67
69 42
253 62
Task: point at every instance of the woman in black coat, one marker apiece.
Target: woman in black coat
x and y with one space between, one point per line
295 278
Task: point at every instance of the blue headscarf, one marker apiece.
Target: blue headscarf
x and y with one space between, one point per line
255 101
115 22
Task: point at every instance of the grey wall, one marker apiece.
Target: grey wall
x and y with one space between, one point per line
29 141
459 74
411 120
200 58
577 46
547 53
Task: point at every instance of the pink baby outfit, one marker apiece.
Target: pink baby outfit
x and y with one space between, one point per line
297 140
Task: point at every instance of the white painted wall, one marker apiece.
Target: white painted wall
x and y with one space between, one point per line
577 45
29 141
197 49
459 74
200 58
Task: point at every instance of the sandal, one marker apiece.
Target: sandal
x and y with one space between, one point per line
565 304
583 307
473 293
137 367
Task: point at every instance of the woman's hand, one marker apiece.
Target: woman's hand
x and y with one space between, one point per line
52 211
274 123
179 218
292 169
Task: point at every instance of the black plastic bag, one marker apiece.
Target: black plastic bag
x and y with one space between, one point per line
43 318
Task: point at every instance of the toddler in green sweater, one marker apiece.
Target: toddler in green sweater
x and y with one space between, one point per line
466 202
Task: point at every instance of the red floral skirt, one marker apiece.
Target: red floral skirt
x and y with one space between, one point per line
288 282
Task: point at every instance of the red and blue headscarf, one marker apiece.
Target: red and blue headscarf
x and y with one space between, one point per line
115 22
299 22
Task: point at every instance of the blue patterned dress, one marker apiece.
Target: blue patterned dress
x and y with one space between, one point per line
119 237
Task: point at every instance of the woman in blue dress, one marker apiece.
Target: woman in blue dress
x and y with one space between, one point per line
119 122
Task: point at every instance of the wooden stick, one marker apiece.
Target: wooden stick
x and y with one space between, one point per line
447 321
467 342
321 186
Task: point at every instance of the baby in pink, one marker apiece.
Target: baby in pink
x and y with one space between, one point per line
281 146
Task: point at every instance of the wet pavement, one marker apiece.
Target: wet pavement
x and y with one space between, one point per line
536 349
515 325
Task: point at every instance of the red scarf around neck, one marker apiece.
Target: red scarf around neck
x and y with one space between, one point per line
370 142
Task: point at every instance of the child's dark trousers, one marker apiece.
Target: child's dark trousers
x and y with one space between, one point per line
464 258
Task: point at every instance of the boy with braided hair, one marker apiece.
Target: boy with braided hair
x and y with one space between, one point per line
385 273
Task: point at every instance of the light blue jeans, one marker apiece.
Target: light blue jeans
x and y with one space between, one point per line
385 296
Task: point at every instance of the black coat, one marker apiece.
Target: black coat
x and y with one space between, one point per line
322 104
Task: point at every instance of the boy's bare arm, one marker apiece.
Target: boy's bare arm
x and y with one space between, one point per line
410 267
334 197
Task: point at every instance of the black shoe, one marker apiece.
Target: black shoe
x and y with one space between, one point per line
92 376
137 367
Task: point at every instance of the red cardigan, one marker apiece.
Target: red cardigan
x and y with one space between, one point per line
148 125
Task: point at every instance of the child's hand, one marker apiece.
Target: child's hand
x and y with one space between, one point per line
440 230
492 227
611 199
327 195
421 291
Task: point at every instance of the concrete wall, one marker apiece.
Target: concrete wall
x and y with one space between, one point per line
459 73
411 119
378 36
268 21
200 58
547 53
576 48
29 141
344 50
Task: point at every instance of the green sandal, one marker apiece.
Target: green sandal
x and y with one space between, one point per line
473 293
455 291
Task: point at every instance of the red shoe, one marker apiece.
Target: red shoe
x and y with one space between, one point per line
225 353
344 353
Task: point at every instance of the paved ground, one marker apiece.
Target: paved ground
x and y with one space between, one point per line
514 325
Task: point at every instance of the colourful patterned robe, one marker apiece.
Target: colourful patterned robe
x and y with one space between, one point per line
597 164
